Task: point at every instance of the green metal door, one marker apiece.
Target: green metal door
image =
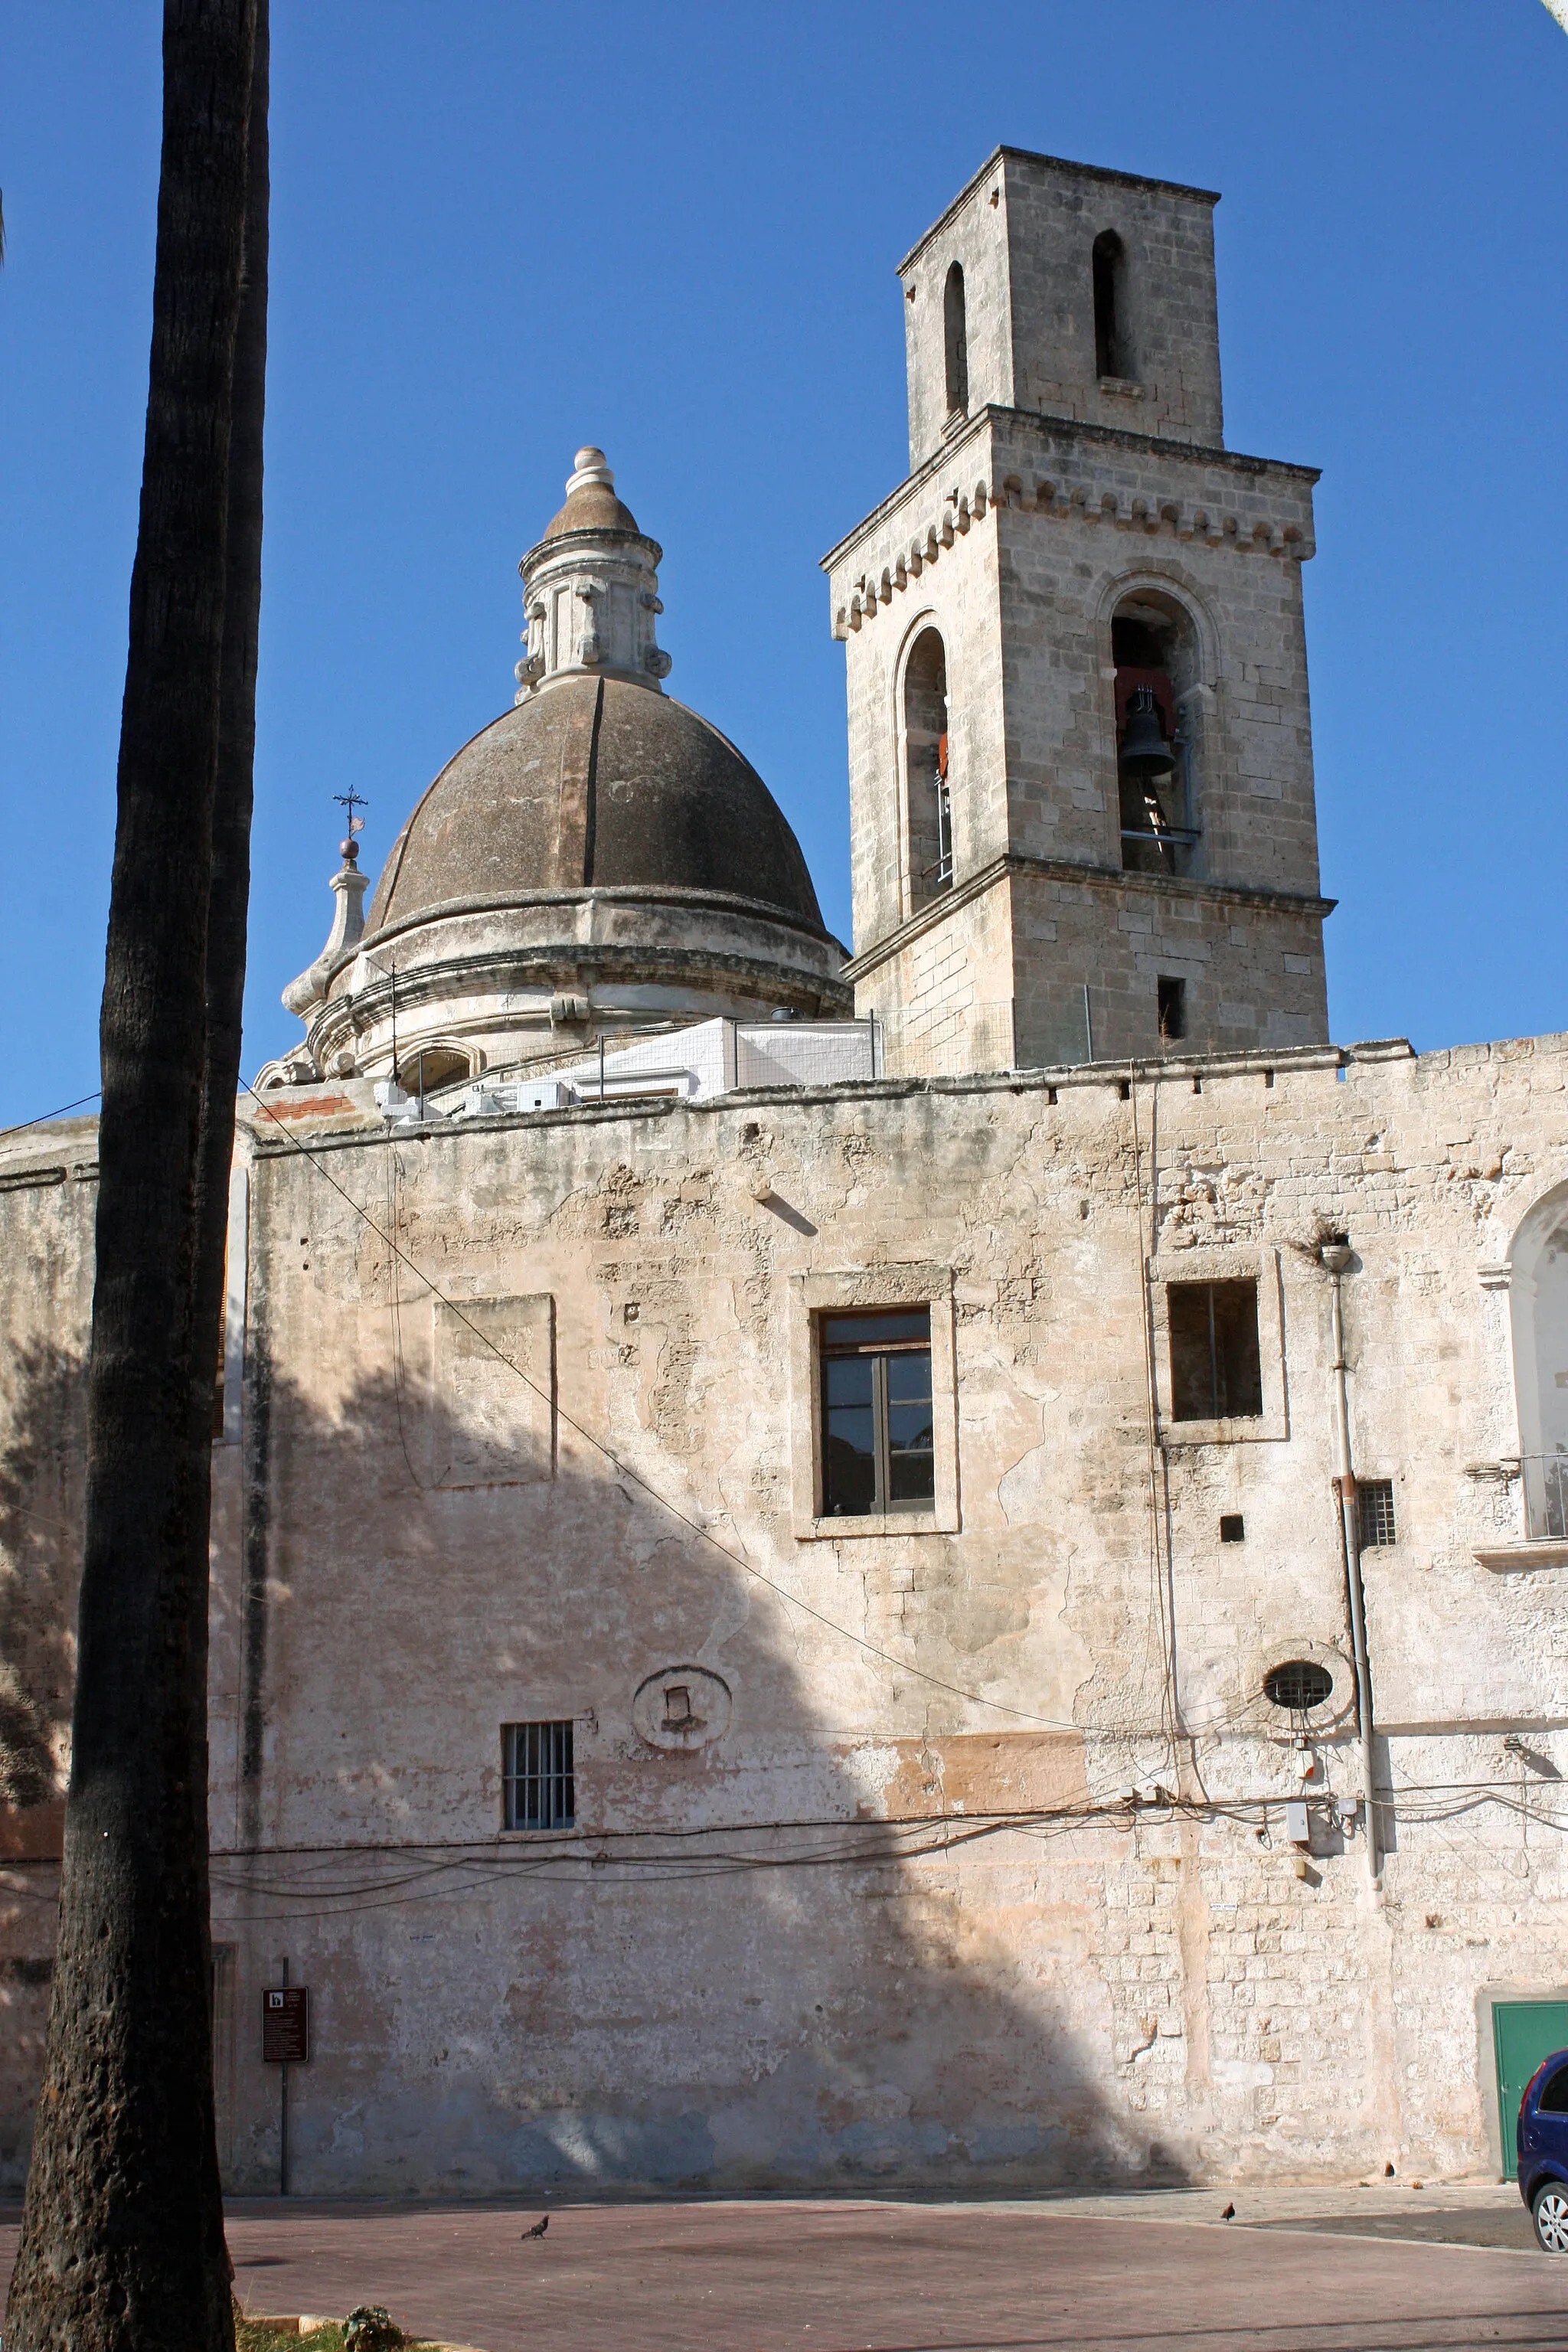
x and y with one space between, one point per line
1523 2033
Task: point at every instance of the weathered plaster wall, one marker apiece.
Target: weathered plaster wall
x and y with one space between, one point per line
743 1968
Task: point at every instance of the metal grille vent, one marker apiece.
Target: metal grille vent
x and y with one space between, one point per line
1375 1496
1298 1684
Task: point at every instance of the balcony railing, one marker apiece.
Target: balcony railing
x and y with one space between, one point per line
1158 848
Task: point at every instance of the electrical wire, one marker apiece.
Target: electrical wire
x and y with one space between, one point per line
45 1115
442 1870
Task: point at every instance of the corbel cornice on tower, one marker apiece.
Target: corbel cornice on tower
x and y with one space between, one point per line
1248 504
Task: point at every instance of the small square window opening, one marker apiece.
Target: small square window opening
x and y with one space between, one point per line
1216 1373
539 1776
878 1428
1232 1527
1375 1496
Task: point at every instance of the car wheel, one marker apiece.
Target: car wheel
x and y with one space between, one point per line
1550 2212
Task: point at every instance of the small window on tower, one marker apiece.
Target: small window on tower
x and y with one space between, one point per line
1112 356
956 340
1171 1007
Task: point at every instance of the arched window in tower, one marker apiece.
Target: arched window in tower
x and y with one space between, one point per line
1111 355
1537 1300
1154 647
928 807
956 335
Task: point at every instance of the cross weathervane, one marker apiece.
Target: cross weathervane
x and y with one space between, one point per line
351 799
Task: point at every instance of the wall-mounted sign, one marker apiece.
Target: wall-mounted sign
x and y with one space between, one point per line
286 2025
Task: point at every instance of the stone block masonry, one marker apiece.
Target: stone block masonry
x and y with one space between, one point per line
983 1878
1052 529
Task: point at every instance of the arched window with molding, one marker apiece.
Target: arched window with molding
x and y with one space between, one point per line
1154 646
425 1070
956 338
1112 356
927 801
1538 1301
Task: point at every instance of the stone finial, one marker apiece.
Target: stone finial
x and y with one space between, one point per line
589 471
302 995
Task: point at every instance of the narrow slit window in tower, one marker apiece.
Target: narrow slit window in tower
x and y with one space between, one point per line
956 340
928 803
1109 266
1172 1004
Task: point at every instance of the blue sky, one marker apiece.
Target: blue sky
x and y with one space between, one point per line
501 230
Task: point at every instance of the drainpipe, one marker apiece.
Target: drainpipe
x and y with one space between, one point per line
1335 1255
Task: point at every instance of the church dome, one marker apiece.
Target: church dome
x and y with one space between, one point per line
598 862
599 784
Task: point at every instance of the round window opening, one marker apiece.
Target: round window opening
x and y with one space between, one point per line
1299 1684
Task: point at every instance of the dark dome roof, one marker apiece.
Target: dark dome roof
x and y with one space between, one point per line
593 506
595 783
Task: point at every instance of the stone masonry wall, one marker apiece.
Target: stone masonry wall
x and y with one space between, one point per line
974 1872
1018 553
1022 232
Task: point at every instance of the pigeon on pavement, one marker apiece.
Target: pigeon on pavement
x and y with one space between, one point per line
539 2228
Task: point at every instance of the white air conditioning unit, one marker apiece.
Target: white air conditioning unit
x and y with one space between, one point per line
495 1100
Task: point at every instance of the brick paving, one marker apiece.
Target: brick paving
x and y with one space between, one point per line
864 2276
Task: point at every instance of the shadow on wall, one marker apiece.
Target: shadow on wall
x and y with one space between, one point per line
41 1468
732 1972
42 1455
736 1972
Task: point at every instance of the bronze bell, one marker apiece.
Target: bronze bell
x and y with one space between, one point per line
1145 750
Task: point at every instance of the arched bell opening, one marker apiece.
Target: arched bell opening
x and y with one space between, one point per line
1154 646
1538 1302
928 806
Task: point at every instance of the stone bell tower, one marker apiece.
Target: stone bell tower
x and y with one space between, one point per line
1080 763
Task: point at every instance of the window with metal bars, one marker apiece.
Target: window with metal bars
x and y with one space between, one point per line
878 1428
1375 1496
1216 1373
538 1775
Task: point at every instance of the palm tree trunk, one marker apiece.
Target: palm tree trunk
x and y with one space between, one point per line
122 2244
229 900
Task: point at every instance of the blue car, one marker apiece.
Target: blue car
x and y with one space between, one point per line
1543 2152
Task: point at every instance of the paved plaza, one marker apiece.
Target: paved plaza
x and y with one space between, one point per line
1373 2270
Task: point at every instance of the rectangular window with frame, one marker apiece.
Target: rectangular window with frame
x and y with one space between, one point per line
538 1776
1216 1372
1375 1496
878 1428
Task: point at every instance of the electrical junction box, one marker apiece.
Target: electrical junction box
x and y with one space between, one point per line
1297 1827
